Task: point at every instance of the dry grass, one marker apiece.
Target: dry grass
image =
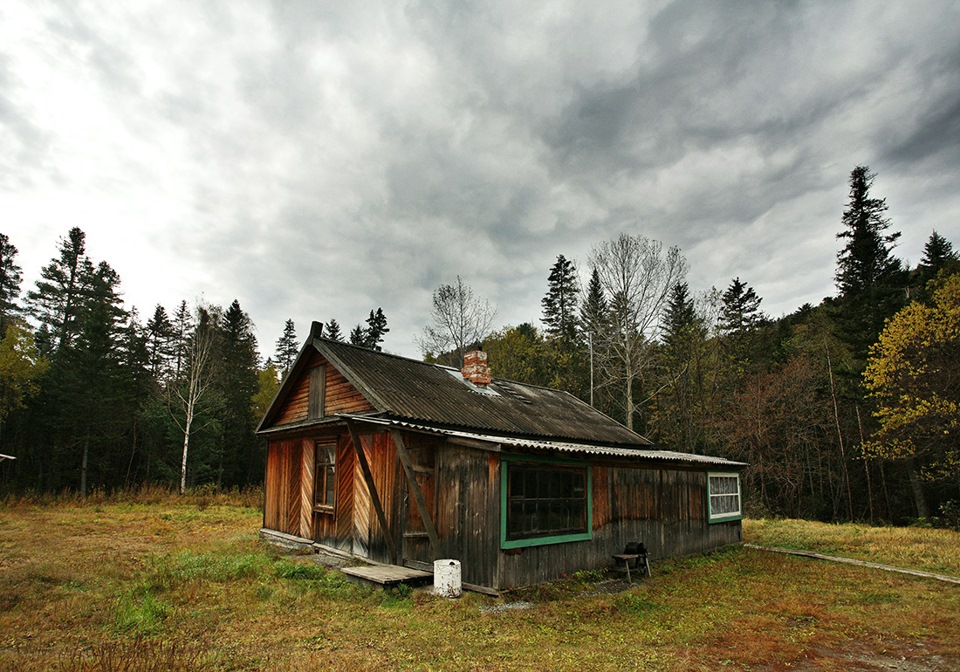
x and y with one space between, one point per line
929 550
132 586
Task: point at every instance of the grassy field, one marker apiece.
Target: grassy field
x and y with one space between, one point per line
186 585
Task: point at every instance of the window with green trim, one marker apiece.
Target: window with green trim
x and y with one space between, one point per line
545 503
724 497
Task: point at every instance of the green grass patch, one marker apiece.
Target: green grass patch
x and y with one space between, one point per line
194 589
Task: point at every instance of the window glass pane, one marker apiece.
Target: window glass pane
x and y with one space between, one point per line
724 495
324 483
552 502
331 489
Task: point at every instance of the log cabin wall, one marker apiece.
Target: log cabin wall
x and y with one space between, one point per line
664 508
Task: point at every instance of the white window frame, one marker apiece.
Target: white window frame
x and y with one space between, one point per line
728 515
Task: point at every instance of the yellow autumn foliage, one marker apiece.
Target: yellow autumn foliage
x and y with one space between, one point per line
914 374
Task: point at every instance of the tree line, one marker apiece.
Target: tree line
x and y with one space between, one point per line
93 397
839 416
844 410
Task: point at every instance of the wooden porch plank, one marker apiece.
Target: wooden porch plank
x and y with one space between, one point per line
387 575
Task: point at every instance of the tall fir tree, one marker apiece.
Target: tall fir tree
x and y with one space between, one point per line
741 308
91 369
869 277
679 405
55 302
358 336
10 278
376 329
866 259
560 303
938 254
287 348
332 331
238 383
594 311
182 326
561 319
160 344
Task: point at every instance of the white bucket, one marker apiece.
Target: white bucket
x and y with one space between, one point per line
446 578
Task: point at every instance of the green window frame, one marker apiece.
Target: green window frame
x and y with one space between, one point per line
724 497
544 501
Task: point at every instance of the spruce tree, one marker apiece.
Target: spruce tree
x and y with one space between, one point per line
594 312
358 336
741 308
160 343
10 277
287 348
182 326
938 254
866 260
560 303
376 328
237 383
55 302
333 331
870 279
93 405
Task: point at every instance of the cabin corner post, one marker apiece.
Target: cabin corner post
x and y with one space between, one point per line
417 493
372 487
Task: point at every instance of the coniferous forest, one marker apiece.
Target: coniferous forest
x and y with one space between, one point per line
847 410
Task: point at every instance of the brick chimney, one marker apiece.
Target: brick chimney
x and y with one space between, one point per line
475 368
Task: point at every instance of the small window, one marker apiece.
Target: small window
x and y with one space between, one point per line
324 482
724 497
545 503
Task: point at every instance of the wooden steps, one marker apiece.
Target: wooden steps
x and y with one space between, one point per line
388 575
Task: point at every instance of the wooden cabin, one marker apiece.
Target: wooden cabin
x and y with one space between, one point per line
401 462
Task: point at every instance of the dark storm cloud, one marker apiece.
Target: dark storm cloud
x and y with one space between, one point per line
319 160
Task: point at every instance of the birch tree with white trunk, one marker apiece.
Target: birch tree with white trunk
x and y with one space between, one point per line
636 275
184 395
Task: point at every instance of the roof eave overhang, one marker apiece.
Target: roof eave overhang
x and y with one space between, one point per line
639 453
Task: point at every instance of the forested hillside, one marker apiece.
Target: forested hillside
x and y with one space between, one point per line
845 410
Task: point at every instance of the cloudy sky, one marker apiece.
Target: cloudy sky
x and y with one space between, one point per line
319 159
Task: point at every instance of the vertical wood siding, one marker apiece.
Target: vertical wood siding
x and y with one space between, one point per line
663 508
382 457
468 510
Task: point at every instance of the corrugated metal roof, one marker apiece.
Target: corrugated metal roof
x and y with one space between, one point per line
559 446
412 390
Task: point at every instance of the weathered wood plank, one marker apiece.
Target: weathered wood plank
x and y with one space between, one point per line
388 575
372 487
417 493
306 489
